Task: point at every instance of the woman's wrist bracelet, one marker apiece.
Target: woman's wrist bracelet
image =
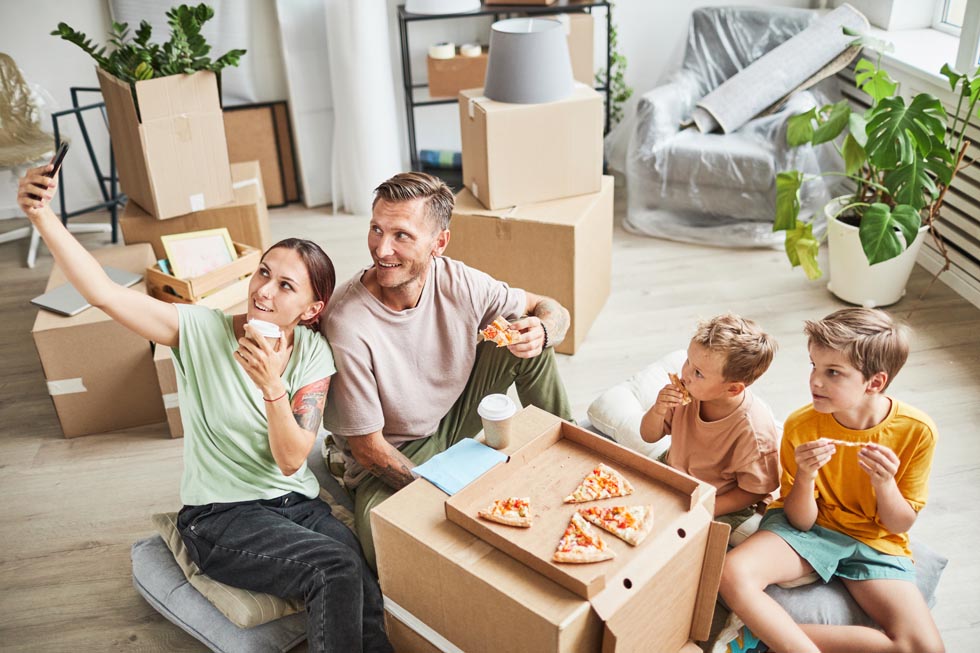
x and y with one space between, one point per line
284 392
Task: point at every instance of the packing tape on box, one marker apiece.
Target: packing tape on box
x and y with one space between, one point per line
197 202
419 627
66 387
170 400
470 50
442 50
470 106
245 182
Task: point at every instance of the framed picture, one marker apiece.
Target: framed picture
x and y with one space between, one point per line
195 253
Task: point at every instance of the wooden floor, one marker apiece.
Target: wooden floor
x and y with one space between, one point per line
71 508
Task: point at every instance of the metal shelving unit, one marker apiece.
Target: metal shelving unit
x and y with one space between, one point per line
417 95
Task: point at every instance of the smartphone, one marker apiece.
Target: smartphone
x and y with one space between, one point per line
57 160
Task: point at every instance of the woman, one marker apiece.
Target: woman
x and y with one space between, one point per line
251 407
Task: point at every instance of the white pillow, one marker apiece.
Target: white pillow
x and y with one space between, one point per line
617 412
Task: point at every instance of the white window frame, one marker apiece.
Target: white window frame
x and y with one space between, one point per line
968 53
939 24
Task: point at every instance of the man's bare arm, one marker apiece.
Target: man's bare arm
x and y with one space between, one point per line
386 462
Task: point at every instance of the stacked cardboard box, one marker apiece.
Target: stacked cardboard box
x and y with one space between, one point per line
536 210
100 374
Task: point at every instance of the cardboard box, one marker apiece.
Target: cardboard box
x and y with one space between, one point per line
581 46
520 153
100 374
447 77
261 132
561 249
163 363
225 286
439 579
169 142
246 216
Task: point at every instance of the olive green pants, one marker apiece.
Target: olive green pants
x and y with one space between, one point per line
494 371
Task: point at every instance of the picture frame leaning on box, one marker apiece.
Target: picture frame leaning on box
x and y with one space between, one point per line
411 374
252 517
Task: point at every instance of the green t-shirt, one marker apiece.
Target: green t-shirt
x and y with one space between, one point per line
227 457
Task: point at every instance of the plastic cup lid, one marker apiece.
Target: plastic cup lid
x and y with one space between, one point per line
267 329
496 407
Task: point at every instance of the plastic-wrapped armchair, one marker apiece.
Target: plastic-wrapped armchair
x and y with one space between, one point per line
714 188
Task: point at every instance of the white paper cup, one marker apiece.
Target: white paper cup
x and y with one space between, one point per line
266 329
496 412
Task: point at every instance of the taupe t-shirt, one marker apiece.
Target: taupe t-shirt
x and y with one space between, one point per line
741 449
400 372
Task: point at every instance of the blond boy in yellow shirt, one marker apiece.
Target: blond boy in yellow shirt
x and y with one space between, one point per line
855 468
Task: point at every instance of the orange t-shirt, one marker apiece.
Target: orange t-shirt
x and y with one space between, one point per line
846 501
741 449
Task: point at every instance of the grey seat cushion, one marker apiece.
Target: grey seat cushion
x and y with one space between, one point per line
160 581
831 603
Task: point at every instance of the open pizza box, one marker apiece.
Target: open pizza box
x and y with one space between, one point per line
664 589
463 585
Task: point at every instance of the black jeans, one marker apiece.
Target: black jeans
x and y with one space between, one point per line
292 547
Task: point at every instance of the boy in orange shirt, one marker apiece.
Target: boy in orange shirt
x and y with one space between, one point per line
855 469
725 435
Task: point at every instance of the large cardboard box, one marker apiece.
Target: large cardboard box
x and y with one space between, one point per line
444 583
100 374
561 249
246 216
163 363
520 153
169 142
447 77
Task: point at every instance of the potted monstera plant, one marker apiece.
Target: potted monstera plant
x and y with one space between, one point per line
900 157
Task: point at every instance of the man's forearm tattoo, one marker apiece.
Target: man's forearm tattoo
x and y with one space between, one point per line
555 317
395 472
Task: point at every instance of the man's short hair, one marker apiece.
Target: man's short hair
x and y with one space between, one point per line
407 186
870 339
748 350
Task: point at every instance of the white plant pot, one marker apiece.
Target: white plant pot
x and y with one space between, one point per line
852 278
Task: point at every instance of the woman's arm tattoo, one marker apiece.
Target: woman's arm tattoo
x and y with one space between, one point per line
308 405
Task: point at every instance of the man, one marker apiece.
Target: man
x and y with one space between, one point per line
403 333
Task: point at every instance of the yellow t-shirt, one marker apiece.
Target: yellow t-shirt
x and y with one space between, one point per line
846 501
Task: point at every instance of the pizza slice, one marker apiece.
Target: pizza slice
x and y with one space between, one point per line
845 443
501 332
603 482
677 383
512 511
581 543
629 523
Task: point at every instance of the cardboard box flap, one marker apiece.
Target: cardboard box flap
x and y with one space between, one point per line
166 97
714 560
123 128
132 258
621 586
567 211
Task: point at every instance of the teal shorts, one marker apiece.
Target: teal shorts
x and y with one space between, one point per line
831 553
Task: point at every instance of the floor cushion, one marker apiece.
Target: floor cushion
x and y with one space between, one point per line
247 621
617 412
160 581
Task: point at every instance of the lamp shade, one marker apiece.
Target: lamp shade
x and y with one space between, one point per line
528 62
441 6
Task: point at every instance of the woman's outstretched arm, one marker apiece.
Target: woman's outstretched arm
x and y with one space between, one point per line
151 318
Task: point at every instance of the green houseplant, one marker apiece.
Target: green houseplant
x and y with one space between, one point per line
900 158
136 59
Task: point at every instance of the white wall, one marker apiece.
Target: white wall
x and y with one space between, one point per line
56 65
